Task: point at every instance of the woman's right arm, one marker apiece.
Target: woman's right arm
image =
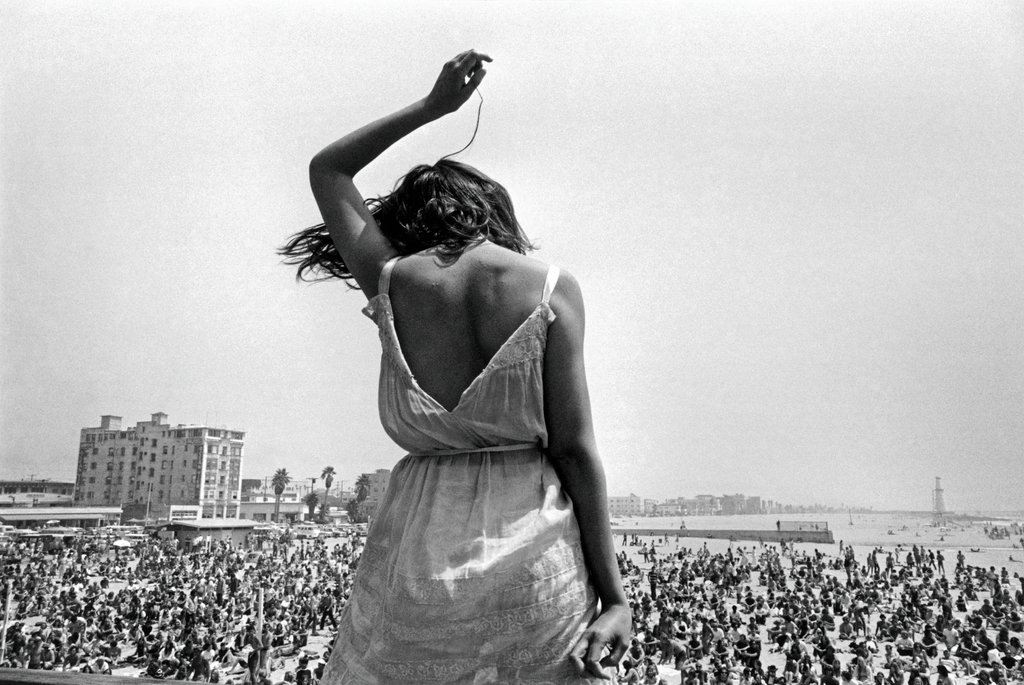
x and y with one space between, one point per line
353 230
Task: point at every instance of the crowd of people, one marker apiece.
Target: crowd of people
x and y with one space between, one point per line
772 614
748 615
167 613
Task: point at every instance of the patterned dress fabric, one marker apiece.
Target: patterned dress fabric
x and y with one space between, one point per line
472 571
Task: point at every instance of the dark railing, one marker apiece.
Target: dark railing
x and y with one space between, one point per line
21 676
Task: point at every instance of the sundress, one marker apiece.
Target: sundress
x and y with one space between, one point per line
472 570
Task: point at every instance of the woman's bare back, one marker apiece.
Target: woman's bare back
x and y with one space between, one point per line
451 319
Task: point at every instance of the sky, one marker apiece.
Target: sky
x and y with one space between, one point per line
797 225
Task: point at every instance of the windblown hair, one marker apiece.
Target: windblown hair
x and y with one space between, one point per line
448 206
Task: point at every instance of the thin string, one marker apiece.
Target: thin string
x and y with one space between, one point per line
475 128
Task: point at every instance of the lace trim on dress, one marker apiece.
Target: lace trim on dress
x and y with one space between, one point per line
455 590
448 670
568 604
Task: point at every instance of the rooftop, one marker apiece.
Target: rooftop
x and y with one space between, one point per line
213 524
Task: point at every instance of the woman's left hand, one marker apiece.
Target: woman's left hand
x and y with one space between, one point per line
611 631
458 79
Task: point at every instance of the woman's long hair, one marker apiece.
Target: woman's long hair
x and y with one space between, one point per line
448 206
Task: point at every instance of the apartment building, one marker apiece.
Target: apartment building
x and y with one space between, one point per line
154 465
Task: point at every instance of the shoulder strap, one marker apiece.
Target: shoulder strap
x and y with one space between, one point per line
384 281
549 283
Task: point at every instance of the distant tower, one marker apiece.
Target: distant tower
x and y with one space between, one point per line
938 504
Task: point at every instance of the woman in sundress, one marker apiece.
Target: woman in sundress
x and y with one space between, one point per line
490 559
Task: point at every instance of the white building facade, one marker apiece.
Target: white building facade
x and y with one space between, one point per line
154 465
630 505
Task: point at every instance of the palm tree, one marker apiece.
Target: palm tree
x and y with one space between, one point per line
280 482
362 487
311 500
328 475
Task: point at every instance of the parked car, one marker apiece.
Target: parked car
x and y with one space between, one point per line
305 531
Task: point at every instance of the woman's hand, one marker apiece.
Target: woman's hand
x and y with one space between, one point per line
458 79
610 631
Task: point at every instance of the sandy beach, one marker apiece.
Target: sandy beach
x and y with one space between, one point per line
887 532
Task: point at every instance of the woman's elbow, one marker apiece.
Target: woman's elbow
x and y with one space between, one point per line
574 453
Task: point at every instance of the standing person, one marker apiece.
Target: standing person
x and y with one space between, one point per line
490 558
326 611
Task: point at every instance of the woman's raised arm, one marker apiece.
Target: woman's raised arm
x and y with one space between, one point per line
356 235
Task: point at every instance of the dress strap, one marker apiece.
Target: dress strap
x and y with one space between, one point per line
549 283
384 282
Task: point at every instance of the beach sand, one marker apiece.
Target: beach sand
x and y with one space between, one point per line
892 532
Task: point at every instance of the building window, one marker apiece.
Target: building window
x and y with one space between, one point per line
135 450
92 466
92 479
154 442
160 495
151 472
152 458
172 449
211 449
161 480
163 464
110 452
95 450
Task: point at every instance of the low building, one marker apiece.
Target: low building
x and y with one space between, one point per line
630 505
190 533
263 511
81 517
37 485
34 492
706 505
671 507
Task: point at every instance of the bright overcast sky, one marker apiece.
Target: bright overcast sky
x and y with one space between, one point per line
799 228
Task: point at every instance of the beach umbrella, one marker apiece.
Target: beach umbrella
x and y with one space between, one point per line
122 543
